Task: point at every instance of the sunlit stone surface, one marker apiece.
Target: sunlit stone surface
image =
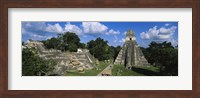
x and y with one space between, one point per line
130 55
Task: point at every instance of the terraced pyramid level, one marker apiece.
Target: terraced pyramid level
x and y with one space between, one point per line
130 55
81 59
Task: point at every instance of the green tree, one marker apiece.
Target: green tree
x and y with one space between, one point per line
73 47
33 65
52 43
111 52
164 56
169 61
71 41
117 50
67 41
99 48
82 45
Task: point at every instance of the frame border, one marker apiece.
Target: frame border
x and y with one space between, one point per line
6 4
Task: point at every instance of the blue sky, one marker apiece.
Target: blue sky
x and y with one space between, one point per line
113 32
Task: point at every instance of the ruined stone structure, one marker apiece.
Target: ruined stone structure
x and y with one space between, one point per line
81 59
130 55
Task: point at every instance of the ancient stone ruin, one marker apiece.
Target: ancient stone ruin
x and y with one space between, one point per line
80 60
130 55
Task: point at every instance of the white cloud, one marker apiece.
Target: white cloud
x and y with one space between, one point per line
167 24
56 28
23 31
167 31
94 28
160 34
41 29
162 37
97 28
111 31
152 33
125 33
115 38
72 28
173 41
122 40
144 35
37 36
34 26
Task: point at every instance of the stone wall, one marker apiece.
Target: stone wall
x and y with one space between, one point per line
65 60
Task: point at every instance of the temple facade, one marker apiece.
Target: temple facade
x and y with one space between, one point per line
130 55
80 60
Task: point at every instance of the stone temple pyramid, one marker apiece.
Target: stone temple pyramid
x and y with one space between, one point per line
130 55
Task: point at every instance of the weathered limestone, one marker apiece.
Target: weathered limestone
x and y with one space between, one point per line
80 60
130 55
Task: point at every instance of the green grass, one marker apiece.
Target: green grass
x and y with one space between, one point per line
150 68
92 72
125 72
136 71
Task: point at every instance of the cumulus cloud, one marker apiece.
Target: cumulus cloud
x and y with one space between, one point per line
42 29
168 31
94 28
167 24
111 31
160 34
125 33
152 33
173 41
39 30
35 36
23 31
122 40
115 38
72 28
90 28
56 28
35 27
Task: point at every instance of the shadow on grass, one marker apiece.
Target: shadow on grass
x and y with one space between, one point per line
146 72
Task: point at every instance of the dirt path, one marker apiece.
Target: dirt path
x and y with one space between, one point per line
108 68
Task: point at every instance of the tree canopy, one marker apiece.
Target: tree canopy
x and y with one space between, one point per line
164 56
101 50
67 41
33 65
